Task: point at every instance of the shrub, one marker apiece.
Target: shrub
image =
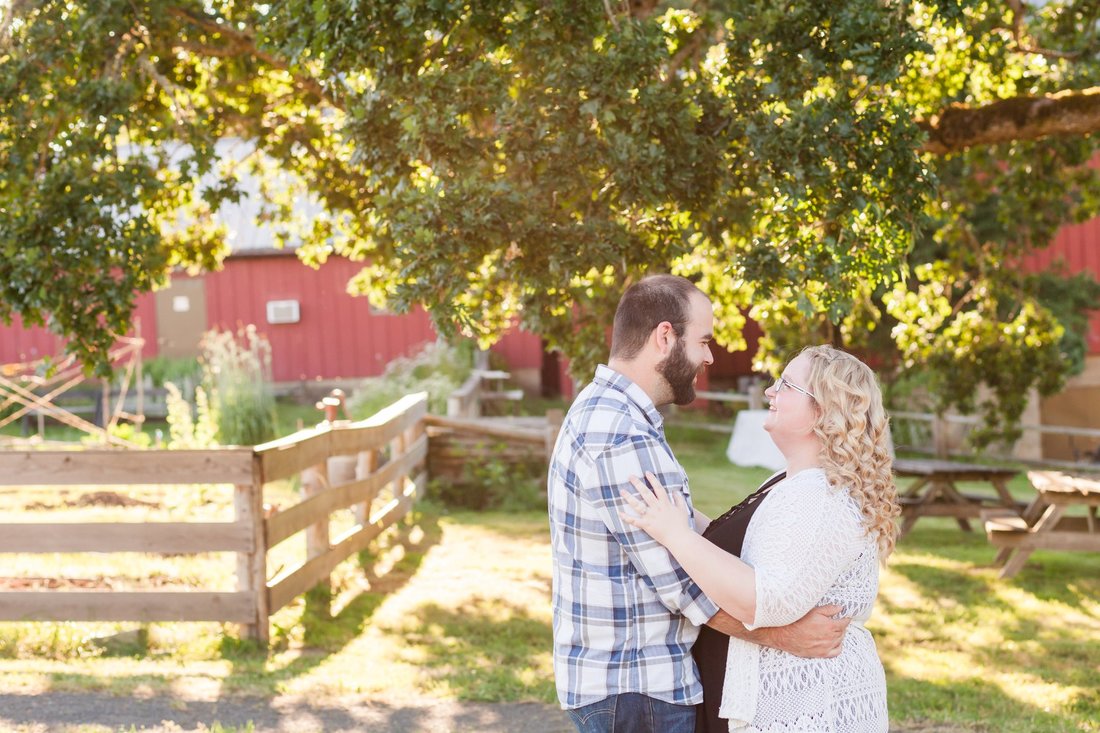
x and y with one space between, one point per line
508 482
178 370
438 369
237 376
124 430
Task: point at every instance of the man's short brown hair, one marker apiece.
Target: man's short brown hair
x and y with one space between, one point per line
645 305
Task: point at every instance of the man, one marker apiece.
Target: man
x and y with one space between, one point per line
625 613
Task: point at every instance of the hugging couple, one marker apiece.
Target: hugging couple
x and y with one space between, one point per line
668 621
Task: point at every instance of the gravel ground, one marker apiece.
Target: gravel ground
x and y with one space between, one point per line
63 712
83 712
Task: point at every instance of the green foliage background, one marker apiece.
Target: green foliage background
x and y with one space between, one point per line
516 159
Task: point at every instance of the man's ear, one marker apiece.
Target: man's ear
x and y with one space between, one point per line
664 337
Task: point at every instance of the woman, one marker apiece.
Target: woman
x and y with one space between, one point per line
811 536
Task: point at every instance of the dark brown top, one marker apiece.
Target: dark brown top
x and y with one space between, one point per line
711 648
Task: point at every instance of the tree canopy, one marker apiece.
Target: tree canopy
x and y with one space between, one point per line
868 172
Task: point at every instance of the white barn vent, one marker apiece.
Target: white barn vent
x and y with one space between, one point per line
283 311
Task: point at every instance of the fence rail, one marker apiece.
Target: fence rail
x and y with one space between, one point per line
389 449
973 420
231 607
937 424
483 385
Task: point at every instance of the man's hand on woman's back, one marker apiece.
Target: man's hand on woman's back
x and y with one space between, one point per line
817 634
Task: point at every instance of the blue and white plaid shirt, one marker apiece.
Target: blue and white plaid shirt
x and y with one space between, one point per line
625 613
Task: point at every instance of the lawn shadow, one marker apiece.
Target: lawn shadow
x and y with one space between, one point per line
80 711
1031 639
968 705
484 650
1065 577
326 633
1048 575
519 525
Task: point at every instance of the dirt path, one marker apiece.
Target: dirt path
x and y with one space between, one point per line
81 712
69 712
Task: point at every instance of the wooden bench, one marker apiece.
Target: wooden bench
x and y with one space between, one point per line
1043 525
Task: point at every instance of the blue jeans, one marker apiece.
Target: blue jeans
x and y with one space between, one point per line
631 712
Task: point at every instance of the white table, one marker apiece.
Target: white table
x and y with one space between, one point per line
750 444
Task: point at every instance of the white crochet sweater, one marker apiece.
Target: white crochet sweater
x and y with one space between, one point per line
808 547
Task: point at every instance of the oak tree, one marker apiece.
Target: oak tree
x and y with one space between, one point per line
869 172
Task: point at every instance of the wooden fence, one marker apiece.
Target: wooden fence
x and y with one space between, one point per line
389 449
483 385
938 428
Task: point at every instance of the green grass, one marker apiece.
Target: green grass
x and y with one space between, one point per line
455 605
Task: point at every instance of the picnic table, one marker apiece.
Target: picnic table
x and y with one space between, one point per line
934 492
1043 524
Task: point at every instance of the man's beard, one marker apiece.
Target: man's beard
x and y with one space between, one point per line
680 374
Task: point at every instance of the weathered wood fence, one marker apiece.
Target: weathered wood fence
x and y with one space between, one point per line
482 386
389 449
939 430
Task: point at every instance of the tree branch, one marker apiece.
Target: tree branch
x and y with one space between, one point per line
642 9
1072 112
610 15
1019 33
689 50
179 96
7 15
243 41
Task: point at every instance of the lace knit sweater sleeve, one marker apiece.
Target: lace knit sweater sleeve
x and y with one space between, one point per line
803 537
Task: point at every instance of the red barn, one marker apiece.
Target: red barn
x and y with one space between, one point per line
1077 249
318 332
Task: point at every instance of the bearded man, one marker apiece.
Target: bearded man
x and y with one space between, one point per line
625 613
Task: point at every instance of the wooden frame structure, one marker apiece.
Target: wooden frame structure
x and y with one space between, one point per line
390 449
18 383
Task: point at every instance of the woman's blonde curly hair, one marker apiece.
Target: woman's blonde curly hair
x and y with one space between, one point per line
854 432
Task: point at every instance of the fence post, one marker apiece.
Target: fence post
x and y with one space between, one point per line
756 395
554 420
465 402
248 509
315 481
408 440
366 464
397 450
940 435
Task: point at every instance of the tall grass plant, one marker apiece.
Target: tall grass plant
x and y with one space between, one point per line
237 376
189 428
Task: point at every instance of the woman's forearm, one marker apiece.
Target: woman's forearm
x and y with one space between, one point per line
724 577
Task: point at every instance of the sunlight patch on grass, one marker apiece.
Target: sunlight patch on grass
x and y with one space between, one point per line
1027 688
472 623
920 662
191 680
958 641
899 591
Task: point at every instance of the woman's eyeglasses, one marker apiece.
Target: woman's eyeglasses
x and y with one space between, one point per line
784 382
